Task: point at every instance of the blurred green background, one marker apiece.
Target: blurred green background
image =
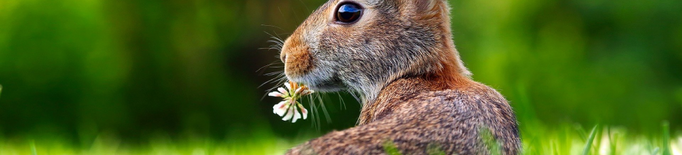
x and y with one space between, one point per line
140 69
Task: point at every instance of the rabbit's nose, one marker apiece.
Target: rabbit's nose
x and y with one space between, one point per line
283 56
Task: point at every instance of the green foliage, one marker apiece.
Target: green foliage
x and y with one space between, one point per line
136 69
493 146
666 138
390 148
34 151
434 149
265 142
613 141
590 140
543 140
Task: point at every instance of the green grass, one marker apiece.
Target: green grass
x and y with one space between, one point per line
540 140
666 138
590 140
601 140
161 146
537 140
390 148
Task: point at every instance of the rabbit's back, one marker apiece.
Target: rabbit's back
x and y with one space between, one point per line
420 120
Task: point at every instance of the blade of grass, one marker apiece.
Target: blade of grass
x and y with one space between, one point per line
613 141
666 138
534 146
34 151
597 141
555 147
588 144
581 132
614 144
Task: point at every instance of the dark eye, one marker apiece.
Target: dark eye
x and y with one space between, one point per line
348 13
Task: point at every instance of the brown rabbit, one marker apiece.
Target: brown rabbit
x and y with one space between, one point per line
416 93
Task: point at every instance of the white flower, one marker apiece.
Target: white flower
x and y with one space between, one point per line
275 94
289 114
304 111
287 109
281 108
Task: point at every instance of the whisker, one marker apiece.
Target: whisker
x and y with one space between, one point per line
271 48
272 26
271 80
304 5
295 14
276 41
266 66
324 110
276 47
314 114
355 96
280 37
273 73
280 80
343 103
276 37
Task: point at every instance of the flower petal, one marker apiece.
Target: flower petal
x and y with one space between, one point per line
283 91
290 114
299 90
296 115
307 92
303 111
281 108
275 94
288 85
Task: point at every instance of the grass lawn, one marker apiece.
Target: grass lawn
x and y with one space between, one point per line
537 139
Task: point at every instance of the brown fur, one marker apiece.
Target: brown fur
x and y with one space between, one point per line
301 61
416 92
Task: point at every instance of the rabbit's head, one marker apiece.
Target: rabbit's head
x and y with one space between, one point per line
363 45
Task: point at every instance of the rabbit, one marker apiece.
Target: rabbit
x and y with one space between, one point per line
417 96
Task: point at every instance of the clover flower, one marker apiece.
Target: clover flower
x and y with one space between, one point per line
289 108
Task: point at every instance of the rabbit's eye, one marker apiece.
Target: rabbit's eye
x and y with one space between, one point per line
348 13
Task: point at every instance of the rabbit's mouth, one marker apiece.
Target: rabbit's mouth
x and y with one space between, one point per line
326 87
320 81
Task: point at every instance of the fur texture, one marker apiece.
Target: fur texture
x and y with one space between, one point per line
416 92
